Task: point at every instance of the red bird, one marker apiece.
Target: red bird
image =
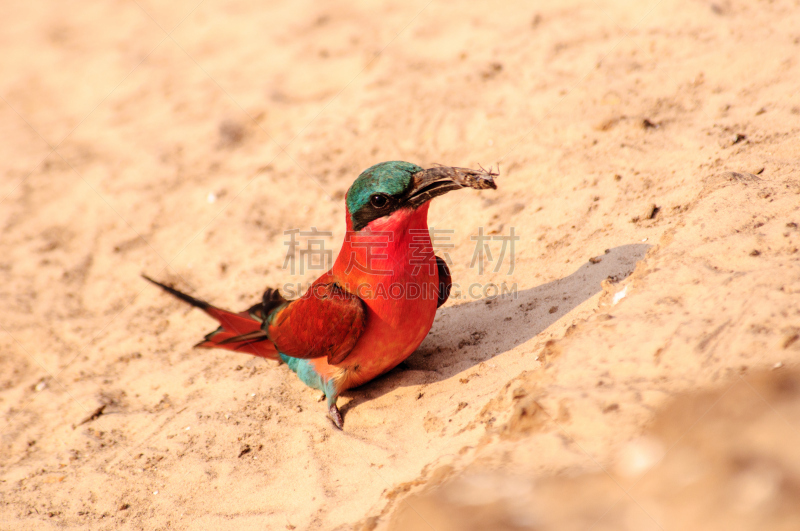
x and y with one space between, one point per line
377 303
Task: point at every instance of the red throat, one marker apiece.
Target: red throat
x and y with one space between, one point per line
385 246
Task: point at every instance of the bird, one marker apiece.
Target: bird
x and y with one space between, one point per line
377 303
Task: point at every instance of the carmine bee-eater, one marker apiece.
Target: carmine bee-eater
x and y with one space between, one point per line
377 303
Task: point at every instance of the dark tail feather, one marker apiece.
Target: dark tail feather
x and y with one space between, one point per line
240 332
203 305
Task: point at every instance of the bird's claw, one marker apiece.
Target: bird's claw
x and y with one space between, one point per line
336 417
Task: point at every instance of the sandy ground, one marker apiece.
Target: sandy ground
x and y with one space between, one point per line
640 377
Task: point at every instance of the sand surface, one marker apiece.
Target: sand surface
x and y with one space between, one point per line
650 166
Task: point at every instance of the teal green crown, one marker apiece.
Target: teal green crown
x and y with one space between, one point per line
390 178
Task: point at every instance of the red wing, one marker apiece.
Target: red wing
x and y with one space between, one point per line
326 321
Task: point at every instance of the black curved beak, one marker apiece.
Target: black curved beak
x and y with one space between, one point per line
439 180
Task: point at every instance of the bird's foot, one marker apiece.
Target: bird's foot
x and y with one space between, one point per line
336 417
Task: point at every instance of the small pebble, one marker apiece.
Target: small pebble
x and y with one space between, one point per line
618 296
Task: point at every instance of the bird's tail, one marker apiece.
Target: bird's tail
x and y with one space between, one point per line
241 331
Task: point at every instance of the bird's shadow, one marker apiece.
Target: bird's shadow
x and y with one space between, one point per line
469 333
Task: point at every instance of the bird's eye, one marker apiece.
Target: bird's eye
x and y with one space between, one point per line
379 201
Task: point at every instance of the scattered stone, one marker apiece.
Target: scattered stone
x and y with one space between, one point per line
230 133
95 415
493 69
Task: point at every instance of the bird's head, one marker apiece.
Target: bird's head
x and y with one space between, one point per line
385 188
